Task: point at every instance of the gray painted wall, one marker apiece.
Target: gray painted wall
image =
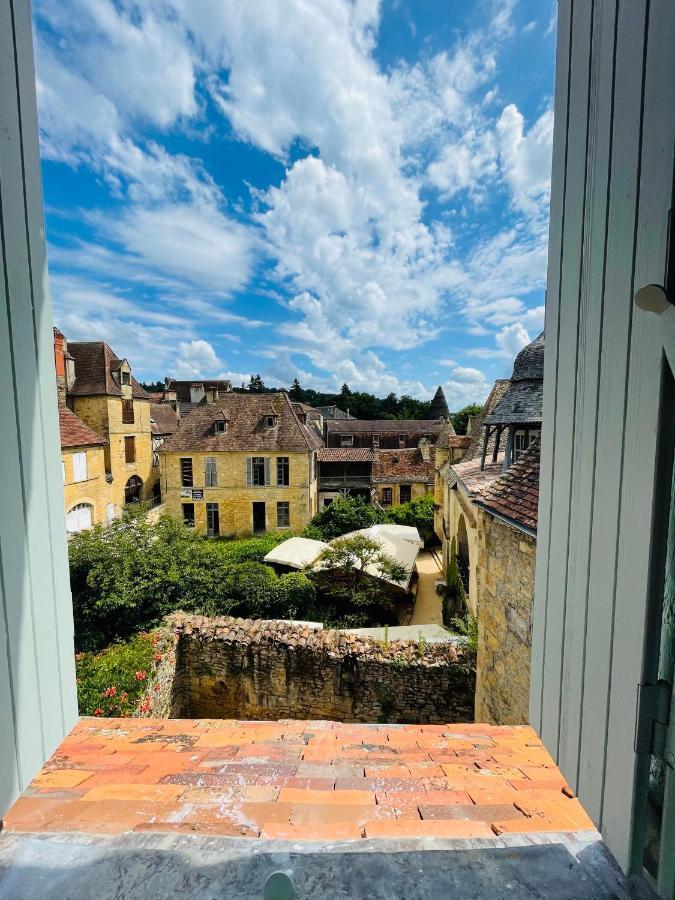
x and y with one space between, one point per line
605 358
37 678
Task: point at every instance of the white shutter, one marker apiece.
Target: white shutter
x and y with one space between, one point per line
80 466
249 470
79 518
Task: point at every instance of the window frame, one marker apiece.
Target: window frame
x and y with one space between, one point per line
256 463
387 492
346 440
283 467
128 415
125 378
183 463
212 510
220 426
408 488
210 472
129 442
283 511
270 421
188 522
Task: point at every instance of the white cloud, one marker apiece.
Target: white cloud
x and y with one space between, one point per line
509 341
465 385
526 157
196 359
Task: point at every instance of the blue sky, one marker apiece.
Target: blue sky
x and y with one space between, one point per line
338 190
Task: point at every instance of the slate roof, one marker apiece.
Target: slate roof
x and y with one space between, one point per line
446 432
439 405
382 426
392 466
522 402
74 433
345 454
334 412
515 494
97 371
245 429
163 418
475 450
182 388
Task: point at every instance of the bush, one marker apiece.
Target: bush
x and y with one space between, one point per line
418 513
251 549
112 682
342 516
454 600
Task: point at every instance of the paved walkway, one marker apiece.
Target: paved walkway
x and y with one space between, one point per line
297 780
428 605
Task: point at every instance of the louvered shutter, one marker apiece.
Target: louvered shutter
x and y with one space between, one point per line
79 466
249 470
267 470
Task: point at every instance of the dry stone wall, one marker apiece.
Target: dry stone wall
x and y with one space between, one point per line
505 588
247 669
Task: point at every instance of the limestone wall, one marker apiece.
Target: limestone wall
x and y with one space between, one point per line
238 668
94 490
505 576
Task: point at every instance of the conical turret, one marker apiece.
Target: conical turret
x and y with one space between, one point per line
439 406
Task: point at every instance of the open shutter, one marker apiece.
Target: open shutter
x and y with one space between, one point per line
80 466
267 470
249 470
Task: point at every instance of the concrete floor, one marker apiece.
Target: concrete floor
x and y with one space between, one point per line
428 608
141 866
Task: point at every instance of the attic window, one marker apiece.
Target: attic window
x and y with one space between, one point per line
270 421
376 441
220 426
346 440
126 377
303 417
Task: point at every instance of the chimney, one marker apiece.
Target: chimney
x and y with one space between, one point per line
425 449
471 424
60 365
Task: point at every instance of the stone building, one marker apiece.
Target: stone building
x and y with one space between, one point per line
85 489
487 506
101 390
383 434
403 475
241 464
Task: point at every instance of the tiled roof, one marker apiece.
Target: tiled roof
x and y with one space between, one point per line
522 402
439 405
392 466
461 441
182 388
475 450
468 474
245 429
515 494
96 371
446 432
74 433
380 426
345 454
334 412
163 418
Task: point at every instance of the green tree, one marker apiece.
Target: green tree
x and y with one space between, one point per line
344 391
296 392
419 513
256 385
460 419
344 572
454 601
341 516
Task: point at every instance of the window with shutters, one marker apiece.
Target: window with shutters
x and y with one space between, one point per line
80 466
79 518
186 472
283 477
210 472
283 514
129 449
128 412
386 496
257 471
212 520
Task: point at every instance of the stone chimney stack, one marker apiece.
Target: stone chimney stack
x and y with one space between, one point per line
425 449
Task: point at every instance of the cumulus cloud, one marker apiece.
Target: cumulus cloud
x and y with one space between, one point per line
196 359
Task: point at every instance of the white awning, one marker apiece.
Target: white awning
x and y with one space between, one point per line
404 532
403 551
296 552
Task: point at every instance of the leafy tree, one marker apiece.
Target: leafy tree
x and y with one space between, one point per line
256 385
343 572
152 386
460 419
419 513
341 516
455 596
344 391
296 392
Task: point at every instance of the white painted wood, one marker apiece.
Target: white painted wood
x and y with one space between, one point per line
37 666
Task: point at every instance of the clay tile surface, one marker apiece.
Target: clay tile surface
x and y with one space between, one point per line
74 433
403 465
163 418
245 414
97 371
515 494
345 454
468 474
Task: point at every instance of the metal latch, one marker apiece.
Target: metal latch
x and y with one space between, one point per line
653 716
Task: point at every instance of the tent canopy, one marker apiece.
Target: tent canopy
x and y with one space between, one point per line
404 532
296 552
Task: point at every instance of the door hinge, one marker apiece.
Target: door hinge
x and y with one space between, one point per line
653 716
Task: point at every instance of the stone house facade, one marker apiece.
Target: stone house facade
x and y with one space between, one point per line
86 492
241 464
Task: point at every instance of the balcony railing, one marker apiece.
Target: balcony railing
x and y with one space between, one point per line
335 482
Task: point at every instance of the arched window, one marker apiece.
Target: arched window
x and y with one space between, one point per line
463 560
79 518
132 489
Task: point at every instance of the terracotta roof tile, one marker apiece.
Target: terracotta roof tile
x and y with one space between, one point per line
345 454
163 418
95 364
403 465
245 426
515 494
468 474
74 433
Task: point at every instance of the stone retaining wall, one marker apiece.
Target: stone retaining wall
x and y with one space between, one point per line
246 669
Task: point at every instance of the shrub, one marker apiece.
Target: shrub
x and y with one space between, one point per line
454 600
342 516
251 549
467 625
112 682
418 513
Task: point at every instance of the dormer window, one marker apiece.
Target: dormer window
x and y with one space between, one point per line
346 440
220 426
303 417
126 377
270 421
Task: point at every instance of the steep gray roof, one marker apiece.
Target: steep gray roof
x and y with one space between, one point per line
522 402
439 405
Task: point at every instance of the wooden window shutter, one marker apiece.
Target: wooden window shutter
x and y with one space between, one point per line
249 470
267 470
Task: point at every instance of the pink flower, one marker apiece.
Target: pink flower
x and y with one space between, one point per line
98 711
156 688
157 657
110 691
141 676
